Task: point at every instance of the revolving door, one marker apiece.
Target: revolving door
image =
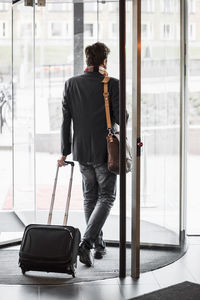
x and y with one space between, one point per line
47 44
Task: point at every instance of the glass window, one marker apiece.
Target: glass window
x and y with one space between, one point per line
56 29
192 6
192 31
114 28
89 30
147 52
147 5
167 6
146 31
3 30
168 31
67 30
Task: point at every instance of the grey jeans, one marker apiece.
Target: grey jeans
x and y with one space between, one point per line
99 192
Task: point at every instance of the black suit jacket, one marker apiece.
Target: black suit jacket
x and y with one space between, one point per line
83 103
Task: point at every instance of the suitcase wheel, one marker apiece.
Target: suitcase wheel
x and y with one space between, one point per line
73 271
23 271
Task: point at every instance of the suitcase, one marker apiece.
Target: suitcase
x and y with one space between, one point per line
51 248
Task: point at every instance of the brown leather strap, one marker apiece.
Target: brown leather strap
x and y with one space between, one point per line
106 99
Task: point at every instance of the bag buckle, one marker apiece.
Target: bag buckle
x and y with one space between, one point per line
110 131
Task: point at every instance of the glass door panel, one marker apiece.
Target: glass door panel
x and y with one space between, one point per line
23 110
160 122
193 225
53 66
129 103
58 47
108 13
6 197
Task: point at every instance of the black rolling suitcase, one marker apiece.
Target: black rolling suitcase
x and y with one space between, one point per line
51 248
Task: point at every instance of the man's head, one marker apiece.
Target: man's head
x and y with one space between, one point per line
97 54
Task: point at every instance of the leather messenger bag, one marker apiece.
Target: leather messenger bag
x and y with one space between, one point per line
113 138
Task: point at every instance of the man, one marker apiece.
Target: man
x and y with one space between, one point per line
83 103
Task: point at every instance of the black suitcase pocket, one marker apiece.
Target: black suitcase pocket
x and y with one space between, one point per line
47 243
51 248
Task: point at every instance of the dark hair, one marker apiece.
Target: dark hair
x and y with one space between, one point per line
96 53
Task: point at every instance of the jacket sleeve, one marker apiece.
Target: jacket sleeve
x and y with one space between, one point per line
114 102
66 135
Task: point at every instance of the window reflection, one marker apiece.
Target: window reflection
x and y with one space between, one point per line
168 31
147 31
56 29
3 29
89 30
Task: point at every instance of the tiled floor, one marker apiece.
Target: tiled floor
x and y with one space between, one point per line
187 268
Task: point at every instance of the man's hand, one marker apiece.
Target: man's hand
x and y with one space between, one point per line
61 161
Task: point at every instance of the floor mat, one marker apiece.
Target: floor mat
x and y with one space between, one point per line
184 291
108 267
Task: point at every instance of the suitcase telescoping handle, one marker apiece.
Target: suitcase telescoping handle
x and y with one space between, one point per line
68 194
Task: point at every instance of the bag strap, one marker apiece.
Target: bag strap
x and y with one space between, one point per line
106 99
68 194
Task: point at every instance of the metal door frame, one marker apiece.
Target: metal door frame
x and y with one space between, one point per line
17 241
136 134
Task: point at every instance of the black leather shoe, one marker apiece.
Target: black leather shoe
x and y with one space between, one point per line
99 252
85 255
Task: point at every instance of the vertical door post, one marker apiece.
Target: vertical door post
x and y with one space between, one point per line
136 144
183 117
78 37
122 99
